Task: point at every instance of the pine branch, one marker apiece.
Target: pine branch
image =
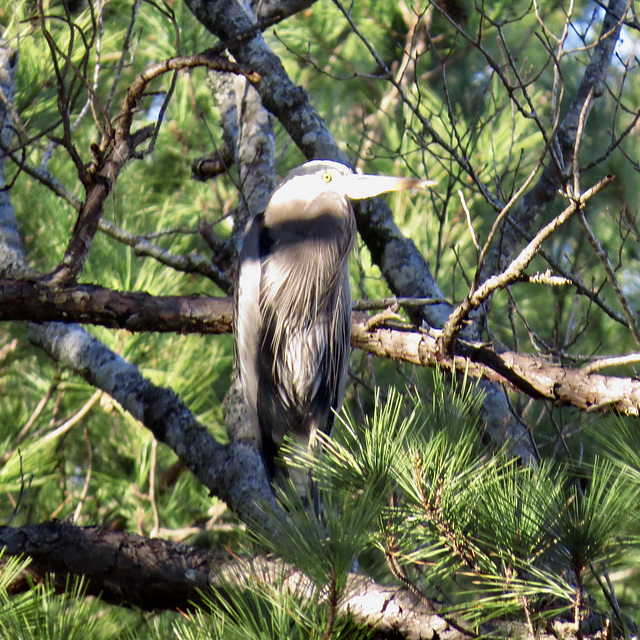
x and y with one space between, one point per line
154 574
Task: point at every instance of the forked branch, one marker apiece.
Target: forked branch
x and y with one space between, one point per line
113 152
513 272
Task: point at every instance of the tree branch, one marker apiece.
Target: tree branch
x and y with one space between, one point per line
132 310
154 574
138 311
112 155
532 375
191 262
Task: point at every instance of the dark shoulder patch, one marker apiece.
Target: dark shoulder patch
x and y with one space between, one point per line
265 238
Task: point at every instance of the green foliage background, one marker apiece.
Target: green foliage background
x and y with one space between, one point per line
577 509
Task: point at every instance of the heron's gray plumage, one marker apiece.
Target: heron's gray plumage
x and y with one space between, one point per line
293 301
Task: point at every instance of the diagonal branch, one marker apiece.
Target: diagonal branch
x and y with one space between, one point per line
233 472
514 270
191 262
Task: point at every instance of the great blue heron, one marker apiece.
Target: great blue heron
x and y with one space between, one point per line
293 301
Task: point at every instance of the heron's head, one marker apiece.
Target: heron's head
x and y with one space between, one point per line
322 177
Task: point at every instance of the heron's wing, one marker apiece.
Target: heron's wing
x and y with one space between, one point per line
247 317
306 313
294 362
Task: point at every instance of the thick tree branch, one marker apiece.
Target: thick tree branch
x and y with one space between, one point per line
153 574
12 262
249 143
134 311
121 567
533 375
270 9
138 311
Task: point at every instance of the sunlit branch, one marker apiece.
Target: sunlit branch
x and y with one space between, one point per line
514 270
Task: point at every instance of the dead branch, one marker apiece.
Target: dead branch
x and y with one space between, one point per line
191 262
114 151
514 271
556 172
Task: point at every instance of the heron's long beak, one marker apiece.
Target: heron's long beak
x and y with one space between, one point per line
358 186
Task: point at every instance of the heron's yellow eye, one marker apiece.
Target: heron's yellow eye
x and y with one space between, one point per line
326 176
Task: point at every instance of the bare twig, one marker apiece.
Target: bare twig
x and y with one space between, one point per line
514 270
467 213
600 251
611 361
555 174
383 303
24 432
114 152
152 489
189 263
